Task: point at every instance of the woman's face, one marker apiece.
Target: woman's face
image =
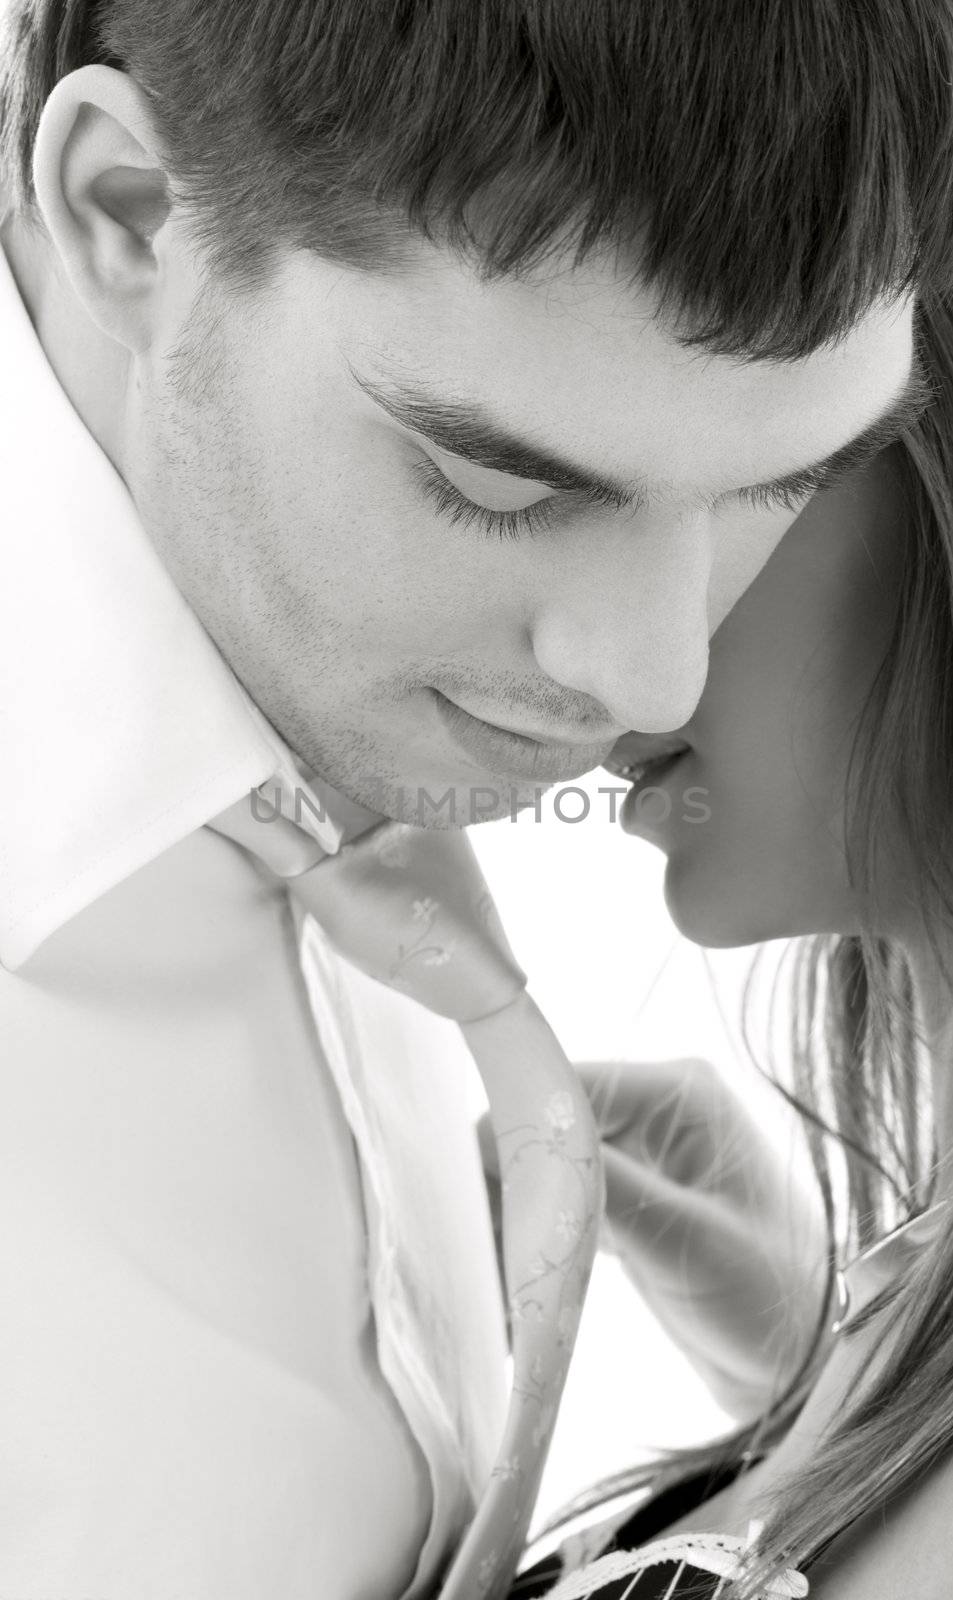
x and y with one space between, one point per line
751 816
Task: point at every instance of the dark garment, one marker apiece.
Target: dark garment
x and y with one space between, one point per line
649 1522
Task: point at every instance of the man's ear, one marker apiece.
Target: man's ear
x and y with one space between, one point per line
103 195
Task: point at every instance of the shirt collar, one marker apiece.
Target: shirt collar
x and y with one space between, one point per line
122 727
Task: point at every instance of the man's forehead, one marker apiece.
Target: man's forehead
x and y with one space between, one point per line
639 404
591 309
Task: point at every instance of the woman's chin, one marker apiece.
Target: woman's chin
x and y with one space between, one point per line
723 910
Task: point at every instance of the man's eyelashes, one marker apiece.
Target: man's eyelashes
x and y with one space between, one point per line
538 517
458 509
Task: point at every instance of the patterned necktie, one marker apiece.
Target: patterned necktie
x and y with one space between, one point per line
411 908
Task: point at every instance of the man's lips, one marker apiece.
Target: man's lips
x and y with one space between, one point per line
498 749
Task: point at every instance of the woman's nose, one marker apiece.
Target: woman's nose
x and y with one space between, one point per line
631 627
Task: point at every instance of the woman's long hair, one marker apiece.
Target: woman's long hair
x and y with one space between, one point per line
859 1075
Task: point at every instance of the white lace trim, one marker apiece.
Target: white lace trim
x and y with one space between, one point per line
708 1552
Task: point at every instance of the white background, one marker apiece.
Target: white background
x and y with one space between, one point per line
584 910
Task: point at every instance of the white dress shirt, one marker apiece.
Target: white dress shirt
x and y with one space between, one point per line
251 1336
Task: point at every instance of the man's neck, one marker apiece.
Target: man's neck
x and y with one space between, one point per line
91 368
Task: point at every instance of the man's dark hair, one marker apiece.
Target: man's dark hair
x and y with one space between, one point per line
769 167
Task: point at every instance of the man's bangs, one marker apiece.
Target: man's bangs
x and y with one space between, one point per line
770 185
770 169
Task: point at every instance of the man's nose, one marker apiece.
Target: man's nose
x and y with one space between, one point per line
629 625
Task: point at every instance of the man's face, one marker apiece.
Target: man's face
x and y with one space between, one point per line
300 506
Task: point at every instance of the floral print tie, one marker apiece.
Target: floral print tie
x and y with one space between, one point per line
411 908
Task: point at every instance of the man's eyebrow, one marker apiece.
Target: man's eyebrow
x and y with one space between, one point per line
465 428
897 417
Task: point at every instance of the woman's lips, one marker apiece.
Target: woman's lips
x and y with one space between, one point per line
643 757
648 778
642 772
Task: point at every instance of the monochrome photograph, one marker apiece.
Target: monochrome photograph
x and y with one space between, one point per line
476 800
